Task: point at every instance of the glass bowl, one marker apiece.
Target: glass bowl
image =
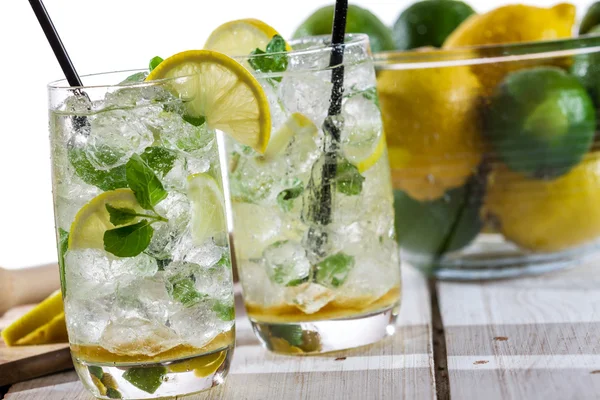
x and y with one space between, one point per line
495 156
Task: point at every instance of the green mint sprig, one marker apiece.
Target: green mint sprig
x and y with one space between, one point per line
132 240
348 180
154 62
285 199
224 311
159 159
277 61
63 246
334 270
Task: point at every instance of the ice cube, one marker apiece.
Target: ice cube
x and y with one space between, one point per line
178 134
188 250
286 262
198 325
258 288
308 94
255 228
88 314
137 336
177 209
100 272
310 297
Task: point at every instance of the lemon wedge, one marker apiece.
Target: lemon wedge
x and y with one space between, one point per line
208 212
221 90
298 127
241 37
44 324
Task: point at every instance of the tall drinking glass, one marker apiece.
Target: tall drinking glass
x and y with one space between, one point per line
143 245
313 216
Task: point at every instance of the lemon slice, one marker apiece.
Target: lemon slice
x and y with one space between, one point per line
221 90
297 126
90 223
44 324
202 366
208 207
241 37
364 164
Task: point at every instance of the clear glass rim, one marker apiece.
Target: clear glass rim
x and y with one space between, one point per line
322 45
486 54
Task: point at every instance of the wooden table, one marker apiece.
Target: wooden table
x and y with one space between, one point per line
533 338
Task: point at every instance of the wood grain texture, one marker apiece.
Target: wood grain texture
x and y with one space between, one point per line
397 368
533 338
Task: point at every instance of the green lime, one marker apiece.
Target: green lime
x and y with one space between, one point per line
433 228
586 67
541 122
429 23
591 19
359 20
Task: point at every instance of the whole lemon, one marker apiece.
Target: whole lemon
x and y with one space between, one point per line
432 127
512 24
547 216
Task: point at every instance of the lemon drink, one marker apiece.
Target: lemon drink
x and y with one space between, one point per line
492 145
141 222
303 293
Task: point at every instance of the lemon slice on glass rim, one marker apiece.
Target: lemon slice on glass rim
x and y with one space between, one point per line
241 37
222 91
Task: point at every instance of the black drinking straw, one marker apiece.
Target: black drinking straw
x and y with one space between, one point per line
332 129
57 46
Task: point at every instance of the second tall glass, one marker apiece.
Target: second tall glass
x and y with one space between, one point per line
313 216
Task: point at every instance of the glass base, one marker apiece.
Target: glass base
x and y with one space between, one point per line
316 337
151 381
489 258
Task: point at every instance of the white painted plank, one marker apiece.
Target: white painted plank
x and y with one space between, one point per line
530 338
400 367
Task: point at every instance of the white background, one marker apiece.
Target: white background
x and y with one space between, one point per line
103 36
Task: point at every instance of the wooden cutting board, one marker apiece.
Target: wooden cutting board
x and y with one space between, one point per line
22 363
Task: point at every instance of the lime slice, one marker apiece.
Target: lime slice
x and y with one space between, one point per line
90 223
297 126
222 91
208 207
42 325
241 37
364 147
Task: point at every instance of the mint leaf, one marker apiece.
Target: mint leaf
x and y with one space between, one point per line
224 261
297 282
135 78
277 62
63 246
146 379
159 159
224 311
120 216
112 393
106 180
286 198
128 241
196 121
184 291
145 184
349 180
291 333
154 63
96 371
333 271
